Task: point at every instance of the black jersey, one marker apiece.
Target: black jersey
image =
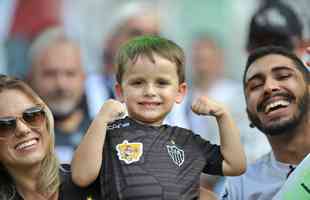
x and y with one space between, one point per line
155 163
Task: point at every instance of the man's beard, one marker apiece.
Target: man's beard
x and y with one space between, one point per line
62 110
62 103
288 125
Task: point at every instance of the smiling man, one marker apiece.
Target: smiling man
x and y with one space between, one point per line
276 87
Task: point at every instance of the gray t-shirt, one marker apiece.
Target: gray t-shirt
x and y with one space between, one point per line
262 180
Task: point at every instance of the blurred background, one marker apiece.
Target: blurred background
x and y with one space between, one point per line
91 21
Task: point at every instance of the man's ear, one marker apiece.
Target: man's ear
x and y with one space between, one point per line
118 91
181 93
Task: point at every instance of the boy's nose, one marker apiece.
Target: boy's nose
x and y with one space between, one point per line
149 90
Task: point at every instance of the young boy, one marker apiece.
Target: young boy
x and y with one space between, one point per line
142 158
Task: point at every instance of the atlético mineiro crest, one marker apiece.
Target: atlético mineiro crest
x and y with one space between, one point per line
129 152
176 154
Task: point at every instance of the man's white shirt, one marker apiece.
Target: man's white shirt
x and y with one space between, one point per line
262 180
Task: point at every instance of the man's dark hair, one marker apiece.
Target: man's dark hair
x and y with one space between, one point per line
274 23
268 50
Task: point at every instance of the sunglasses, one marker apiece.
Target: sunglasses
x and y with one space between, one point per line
34 117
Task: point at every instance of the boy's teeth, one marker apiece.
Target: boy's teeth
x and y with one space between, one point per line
26 144
276 103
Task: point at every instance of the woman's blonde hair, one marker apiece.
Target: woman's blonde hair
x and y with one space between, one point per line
49 179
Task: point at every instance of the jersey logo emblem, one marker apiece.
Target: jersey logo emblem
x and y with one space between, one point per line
176 154
129 152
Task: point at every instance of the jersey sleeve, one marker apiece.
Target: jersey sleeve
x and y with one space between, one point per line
213 156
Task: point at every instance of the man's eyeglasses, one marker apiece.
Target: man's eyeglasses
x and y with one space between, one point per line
34 117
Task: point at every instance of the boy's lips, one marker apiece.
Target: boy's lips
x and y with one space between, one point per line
149 104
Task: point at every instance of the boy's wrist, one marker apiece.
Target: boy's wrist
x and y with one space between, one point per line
223 114
104 119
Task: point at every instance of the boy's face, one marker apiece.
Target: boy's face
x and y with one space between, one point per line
150 90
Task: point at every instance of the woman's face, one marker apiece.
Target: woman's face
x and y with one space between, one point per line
26 144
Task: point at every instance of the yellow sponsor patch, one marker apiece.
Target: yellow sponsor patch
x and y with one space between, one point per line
129 152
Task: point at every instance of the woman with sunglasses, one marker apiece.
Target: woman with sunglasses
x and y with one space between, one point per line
29 168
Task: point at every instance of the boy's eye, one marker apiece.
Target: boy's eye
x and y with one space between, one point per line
136 82
163 82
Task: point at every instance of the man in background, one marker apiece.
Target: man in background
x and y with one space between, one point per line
275 23
57 75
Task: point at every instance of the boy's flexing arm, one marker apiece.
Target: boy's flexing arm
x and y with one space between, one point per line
87 158
232 150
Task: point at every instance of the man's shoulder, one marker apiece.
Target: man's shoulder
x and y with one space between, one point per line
265 160
262 180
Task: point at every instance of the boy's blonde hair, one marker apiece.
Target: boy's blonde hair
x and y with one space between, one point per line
148 46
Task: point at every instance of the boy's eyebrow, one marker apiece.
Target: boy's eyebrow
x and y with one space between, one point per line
136 78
